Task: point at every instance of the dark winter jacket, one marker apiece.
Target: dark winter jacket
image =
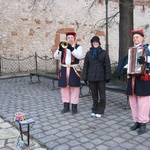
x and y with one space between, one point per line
97 69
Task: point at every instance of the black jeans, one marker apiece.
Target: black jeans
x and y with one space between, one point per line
98 90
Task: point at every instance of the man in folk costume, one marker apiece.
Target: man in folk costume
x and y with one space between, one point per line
138 87
69 77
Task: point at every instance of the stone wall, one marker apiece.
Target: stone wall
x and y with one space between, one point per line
29 26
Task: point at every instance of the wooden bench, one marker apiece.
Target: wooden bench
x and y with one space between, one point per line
113 87
53 77
116 88
82 85
109 86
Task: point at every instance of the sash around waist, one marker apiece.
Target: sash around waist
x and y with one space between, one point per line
69 65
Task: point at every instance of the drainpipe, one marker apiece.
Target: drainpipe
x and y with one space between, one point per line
107 45
0 66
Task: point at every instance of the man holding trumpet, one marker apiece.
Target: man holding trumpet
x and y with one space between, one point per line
69 53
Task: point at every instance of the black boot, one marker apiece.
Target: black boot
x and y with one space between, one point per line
66 108
74 109
135 126
142 128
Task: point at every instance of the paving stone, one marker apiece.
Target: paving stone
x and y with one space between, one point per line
78 148
4 125
37 131
102 147
73 143
2 143
51 132
66 127
1 120
89 145
7 134
57 131
127 145
97 141
62 147
111 143
83 139
39 135
52 144
105 137
70 137
63 133
47 139
119 148
139 147
146 142
62 140
118 139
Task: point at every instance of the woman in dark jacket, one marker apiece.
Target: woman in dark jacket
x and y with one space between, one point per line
97 71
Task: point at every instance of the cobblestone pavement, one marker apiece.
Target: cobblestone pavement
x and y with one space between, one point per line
56 131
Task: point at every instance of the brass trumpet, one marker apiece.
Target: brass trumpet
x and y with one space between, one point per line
64 44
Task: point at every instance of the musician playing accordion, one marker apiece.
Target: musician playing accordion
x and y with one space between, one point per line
138 86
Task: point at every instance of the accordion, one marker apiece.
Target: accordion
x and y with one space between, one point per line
133 66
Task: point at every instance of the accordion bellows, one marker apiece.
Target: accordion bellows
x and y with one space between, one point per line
133 66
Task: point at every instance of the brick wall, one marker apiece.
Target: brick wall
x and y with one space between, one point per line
29 26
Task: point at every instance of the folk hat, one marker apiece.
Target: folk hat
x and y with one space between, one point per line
140 32
71 33
95 39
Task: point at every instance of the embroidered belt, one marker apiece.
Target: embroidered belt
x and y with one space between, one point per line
76 68
69 65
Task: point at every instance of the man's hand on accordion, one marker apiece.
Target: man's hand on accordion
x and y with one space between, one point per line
141 60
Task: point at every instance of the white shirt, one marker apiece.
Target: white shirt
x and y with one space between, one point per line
77 53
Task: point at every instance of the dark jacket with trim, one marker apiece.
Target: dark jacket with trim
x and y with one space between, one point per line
74 79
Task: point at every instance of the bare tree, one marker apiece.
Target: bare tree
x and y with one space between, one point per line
125 26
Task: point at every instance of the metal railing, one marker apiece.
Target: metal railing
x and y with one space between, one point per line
26 65
33 63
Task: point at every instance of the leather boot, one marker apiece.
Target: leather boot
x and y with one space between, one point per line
66 108
142 128
74 109
135 126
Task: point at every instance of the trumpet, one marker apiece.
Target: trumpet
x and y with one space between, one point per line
64 44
